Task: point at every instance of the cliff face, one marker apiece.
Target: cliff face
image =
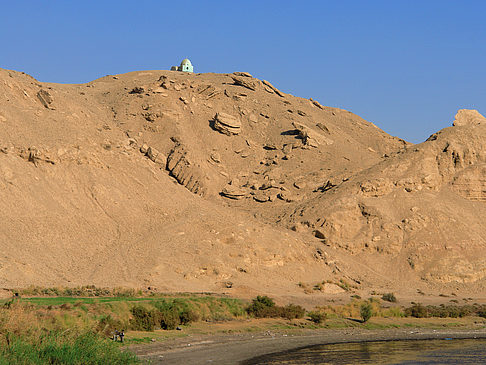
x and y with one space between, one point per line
222 182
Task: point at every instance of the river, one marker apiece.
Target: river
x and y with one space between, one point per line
445 351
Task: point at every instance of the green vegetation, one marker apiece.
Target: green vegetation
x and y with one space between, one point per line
58 348
80 291
366 311
166 315
418 310
61 335
75 330
317 317
389 297
264 307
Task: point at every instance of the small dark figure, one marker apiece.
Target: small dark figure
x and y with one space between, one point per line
121 335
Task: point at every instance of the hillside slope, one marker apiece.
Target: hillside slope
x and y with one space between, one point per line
222 182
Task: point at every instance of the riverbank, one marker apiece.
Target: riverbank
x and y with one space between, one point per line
238 347
202 328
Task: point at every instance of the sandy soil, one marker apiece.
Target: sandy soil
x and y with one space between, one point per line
236 348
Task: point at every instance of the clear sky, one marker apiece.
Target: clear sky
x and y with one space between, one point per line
405 65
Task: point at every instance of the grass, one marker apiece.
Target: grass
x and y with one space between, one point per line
56 348
48 328
74 300
76 330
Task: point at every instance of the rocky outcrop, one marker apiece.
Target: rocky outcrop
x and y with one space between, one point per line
310 137
316 103
470 183
468 117
247 82
234 192
137 90
36 155
273 88
185 171
226 124
288 197
244 74
154 154
45 98
208 91
377 187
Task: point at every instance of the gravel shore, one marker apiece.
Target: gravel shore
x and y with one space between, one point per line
236 348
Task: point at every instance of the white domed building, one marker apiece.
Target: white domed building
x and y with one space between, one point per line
186 66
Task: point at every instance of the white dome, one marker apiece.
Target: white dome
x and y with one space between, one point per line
186 62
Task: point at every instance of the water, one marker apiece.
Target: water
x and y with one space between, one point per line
382 352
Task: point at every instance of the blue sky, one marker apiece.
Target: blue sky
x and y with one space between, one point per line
407 65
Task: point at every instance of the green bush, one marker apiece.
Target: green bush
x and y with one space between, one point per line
389 297
443 311
169 318
264 307
264 300
143 318
366 311
317 317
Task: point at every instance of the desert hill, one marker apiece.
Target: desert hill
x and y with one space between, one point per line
222 182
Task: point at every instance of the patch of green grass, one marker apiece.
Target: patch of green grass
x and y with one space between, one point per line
54 348
376 326
74 300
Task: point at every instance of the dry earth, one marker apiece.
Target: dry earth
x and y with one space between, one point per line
223 183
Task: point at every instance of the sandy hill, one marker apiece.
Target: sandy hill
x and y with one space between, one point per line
222 182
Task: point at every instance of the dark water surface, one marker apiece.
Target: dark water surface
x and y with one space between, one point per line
383 352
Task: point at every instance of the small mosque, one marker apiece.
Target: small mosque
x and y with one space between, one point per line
186 66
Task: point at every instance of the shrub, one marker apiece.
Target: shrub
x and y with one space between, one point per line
392 312
107 325
317 317
366 311
188 316
417 310
171 313
143 319
262 306
126 292
389 297
169 318
444 311
266 301
292 311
